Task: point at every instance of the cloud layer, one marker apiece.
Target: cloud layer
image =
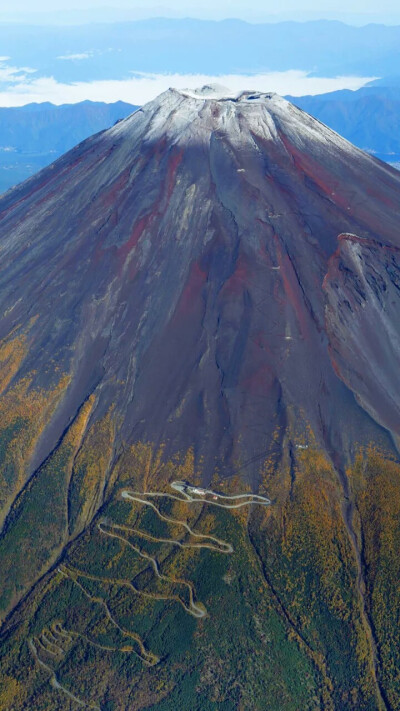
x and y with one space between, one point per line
19 86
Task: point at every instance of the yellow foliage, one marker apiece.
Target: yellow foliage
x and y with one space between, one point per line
11 692
33 409
93 462
12 353
77 430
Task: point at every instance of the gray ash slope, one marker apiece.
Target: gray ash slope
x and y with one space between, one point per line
185 266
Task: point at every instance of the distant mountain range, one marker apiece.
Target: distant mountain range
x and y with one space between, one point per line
369 117
33 136
115 50
84 16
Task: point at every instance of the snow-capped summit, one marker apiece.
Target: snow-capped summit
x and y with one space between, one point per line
218 92
185 116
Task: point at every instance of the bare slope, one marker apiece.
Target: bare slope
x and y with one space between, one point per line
174 266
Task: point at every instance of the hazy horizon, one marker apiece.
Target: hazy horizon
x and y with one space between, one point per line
90 11
133 62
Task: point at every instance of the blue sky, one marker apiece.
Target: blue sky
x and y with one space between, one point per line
229 7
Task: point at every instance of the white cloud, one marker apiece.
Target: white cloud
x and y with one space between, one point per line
10 74
140 88
73 57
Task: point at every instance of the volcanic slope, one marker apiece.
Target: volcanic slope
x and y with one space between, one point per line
210 288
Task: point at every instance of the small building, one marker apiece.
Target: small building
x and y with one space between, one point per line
196 490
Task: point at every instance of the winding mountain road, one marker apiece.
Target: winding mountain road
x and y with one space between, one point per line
50 639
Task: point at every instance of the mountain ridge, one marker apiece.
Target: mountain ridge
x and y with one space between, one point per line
35 135
363 116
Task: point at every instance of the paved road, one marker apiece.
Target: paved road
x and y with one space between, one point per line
50 639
